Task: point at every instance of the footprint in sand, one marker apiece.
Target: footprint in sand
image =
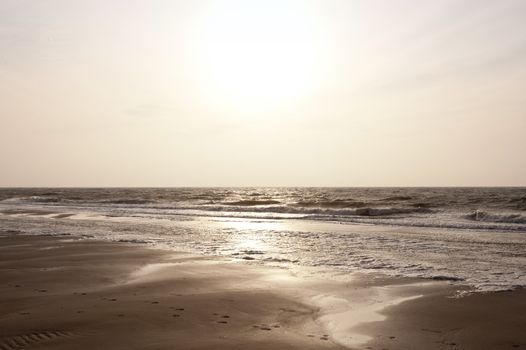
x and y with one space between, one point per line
221 316
176 315
392 337
262 327
324 337
155 302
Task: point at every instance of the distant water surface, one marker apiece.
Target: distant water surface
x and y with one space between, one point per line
473 235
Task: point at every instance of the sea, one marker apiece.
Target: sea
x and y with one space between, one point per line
474 237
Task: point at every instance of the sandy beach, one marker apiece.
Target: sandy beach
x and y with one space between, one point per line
260 175
63 294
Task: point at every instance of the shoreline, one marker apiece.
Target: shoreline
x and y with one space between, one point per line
61 292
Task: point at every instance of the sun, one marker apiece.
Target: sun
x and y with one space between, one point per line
260 53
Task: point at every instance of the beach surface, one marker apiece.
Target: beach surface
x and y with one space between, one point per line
60 293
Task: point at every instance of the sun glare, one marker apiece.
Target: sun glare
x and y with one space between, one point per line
260 53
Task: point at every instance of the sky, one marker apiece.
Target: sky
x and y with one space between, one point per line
263 93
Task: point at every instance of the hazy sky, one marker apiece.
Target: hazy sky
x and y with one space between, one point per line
236 93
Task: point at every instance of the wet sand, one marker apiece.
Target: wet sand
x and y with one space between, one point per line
478 321
64 294
98 295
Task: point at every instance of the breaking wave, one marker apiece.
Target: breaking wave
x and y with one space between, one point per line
283 209
398 198
253 202
336 203
389 211
128 201
511 218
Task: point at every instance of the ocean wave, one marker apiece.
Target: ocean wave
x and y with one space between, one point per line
49 194
336 203
446 278
520 199
132 240
286 209
398 198
253 202
249 252
428 205
518 203
127 201
40 199
37 199
48 200
389 211
509 218
280 260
